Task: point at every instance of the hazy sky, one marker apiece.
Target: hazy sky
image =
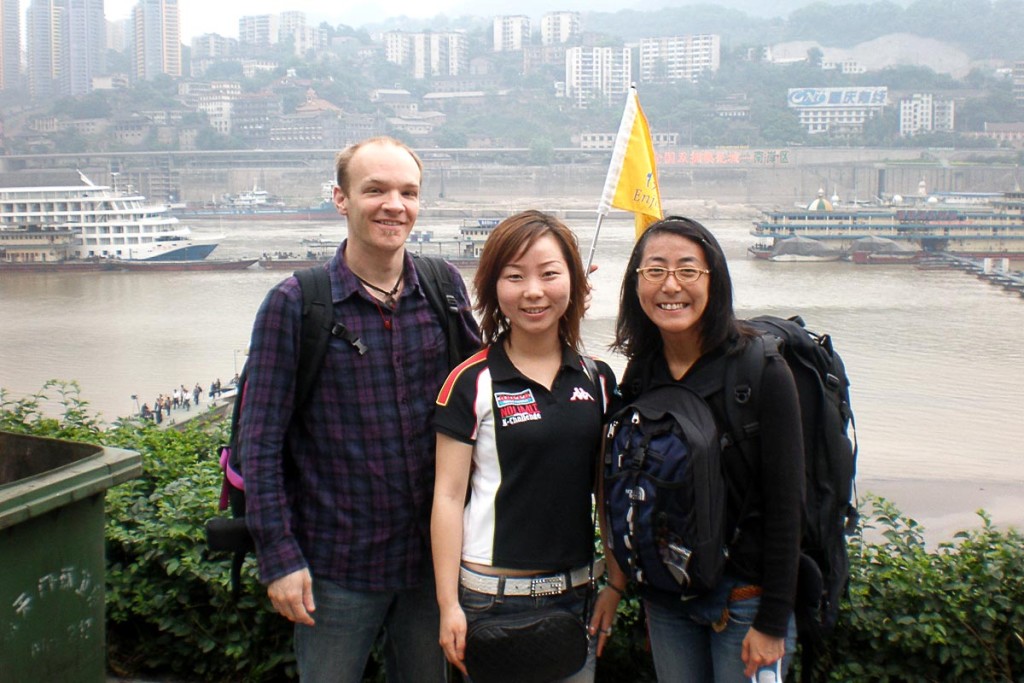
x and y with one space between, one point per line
220 16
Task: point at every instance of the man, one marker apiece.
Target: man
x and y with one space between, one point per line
339 489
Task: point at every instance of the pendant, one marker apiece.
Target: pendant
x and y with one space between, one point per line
387 324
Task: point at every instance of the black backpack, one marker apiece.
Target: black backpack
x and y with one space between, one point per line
830 514
664 493
230 534
830 462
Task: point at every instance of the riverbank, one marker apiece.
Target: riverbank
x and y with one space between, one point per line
945 507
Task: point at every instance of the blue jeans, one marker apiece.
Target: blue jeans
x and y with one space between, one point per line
336 648
686 649
480 605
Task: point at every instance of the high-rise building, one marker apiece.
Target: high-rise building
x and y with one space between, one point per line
156 42
597 73
559 27
679 58
45 33
67 46
10 45
511 33
119 34
87 44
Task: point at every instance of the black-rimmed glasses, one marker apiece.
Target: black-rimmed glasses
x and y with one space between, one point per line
684 275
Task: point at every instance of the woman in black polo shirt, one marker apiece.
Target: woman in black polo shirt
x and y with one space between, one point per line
519 425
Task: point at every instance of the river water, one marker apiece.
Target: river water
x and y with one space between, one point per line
935 357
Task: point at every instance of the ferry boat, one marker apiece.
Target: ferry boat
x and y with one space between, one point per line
91 222
933 224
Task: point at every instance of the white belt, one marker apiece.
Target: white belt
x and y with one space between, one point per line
547 584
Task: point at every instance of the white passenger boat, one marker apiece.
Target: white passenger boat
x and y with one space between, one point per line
101 222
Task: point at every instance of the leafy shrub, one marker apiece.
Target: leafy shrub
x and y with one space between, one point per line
955 614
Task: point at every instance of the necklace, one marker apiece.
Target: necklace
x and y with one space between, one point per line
389 296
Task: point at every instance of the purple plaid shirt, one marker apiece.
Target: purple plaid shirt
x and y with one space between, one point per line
351 500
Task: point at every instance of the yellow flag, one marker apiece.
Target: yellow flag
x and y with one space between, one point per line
632 182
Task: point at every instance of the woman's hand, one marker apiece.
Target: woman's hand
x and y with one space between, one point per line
453 636
761 650
601 622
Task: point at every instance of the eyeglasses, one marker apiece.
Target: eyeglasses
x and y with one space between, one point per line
685 275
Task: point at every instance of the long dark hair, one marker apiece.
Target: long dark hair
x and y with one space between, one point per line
636 336
511 237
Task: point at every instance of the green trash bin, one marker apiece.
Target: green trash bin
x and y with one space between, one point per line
52 565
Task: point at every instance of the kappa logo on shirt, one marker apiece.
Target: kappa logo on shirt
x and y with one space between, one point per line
514 408
581 394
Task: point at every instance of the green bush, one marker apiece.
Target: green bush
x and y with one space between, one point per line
955 613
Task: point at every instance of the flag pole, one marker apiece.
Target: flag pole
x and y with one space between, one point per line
593 243
614 167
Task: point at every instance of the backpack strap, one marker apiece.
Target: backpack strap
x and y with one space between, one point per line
743 375
436 280
316 329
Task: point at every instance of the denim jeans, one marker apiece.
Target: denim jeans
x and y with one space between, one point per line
480 605
686 649
336 648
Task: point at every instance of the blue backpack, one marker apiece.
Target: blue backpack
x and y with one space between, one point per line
664 493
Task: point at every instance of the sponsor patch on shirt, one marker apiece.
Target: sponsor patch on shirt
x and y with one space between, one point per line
517 407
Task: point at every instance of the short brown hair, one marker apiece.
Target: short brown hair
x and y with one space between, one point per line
344 157
510 238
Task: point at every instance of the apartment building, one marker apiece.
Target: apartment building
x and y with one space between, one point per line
597 74
511 33
428 55
558 28
258 29
679 58
925 113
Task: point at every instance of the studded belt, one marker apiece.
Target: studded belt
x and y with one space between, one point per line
546 584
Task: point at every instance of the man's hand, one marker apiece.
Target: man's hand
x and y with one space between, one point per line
292 596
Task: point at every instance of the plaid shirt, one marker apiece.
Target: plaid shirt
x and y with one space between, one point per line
351 500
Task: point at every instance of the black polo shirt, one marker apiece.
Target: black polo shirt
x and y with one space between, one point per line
534 457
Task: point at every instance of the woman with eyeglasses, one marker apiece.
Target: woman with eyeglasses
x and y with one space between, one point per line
676 323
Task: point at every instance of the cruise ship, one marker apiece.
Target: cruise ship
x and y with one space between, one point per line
953 223
90 222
